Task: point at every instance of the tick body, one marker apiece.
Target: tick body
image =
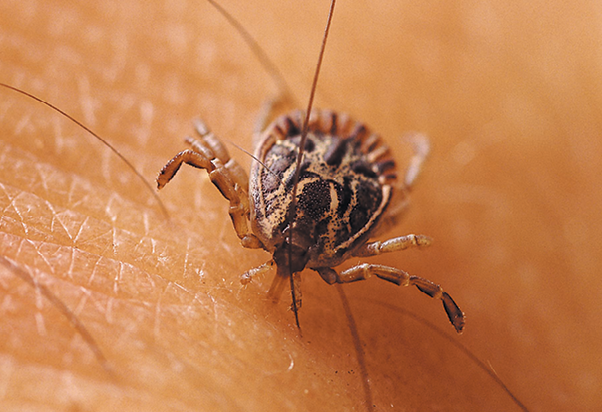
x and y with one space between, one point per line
347 182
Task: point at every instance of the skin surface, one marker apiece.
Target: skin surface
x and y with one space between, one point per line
509 94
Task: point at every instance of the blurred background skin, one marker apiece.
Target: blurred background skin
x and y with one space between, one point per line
510 95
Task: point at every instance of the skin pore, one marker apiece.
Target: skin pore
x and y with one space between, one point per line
509 194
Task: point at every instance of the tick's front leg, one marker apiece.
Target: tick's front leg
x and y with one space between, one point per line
210 154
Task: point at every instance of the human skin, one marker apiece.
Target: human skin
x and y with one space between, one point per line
509 95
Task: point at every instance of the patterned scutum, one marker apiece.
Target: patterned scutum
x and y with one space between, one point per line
344 186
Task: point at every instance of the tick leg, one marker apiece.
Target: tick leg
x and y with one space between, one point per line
186 156
209 141
226 177
248 276
401 193
278 285
393 245
400 278
420 144
266 114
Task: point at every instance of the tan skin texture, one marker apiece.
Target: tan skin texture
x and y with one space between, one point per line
509 94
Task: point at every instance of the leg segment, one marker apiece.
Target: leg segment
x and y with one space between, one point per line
393 245
400 278
420 144
208 153
209 141
279 283
401 191
266 114
248 276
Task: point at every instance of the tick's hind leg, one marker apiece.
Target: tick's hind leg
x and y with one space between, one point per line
267 113
421 147
393 245
210 154
401 191
400 278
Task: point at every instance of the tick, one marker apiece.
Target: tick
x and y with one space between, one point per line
347 181
321 187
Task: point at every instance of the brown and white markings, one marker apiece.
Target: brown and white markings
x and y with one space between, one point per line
346 181
162 333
